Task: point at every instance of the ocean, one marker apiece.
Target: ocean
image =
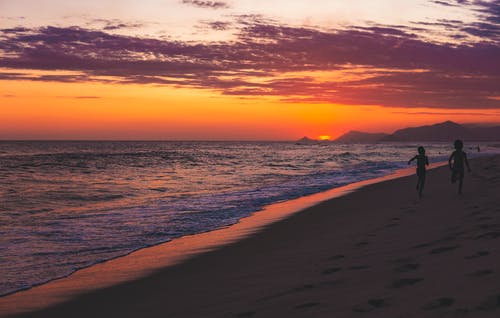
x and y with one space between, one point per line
68 205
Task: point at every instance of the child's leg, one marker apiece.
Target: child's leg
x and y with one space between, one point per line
422 182
421 186
460 182
454 176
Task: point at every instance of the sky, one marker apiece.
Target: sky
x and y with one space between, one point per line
244 69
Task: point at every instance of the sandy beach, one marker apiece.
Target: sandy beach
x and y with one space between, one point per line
377 252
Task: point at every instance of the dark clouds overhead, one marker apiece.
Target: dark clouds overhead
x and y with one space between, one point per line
375 65
207 4
488 13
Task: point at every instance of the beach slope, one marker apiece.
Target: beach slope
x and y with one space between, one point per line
377 252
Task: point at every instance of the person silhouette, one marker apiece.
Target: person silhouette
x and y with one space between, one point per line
456 163
422 161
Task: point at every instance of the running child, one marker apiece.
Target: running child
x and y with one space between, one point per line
457 162
422 161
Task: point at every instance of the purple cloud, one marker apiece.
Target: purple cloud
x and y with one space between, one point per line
207 4
488 13
114 24
447 114
444 3
399 67
118 26
81 97
218 25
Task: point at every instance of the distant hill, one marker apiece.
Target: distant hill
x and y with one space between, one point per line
486 133
446 131
354 136
306 140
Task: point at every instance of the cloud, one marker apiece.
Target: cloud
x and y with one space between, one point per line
444 3
207 4
488 13
12 18
398 89
118 26
218 25
114 24
62 78
15 30
375 65
448 114
81 97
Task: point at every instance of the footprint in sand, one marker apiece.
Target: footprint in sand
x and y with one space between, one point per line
439 303
407 267
480 273
361 244
331 270
457 234
477 255
304 287
360 267
371 305
488 235
337 257
403 260
474 213
488 226
484 218
299 289
404 282
490 303
409 210
377 303
422 245
331 283
443 249
246 314
393 222
307 305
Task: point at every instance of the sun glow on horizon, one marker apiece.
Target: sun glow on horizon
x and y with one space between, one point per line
243 70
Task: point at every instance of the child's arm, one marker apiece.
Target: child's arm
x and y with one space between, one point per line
466 162
426 160
409 161
449 160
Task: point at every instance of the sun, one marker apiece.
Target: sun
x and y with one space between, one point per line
324 137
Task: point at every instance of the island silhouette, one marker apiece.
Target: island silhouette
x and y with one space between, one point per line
440 132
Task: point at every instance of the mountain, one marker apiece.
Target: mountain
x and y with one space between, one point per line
446 131
306 140
486 133
354 136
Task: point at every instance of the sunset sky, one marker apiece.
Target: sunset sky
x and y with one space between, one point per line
244 69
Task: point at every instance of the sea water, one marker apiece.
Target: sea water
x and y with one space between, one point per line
68 205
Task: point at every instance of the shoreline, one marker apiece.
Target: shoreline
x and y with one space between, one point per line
176 251
38 297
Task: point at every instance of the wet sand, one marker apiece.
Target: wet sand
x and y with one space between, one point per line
377 252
